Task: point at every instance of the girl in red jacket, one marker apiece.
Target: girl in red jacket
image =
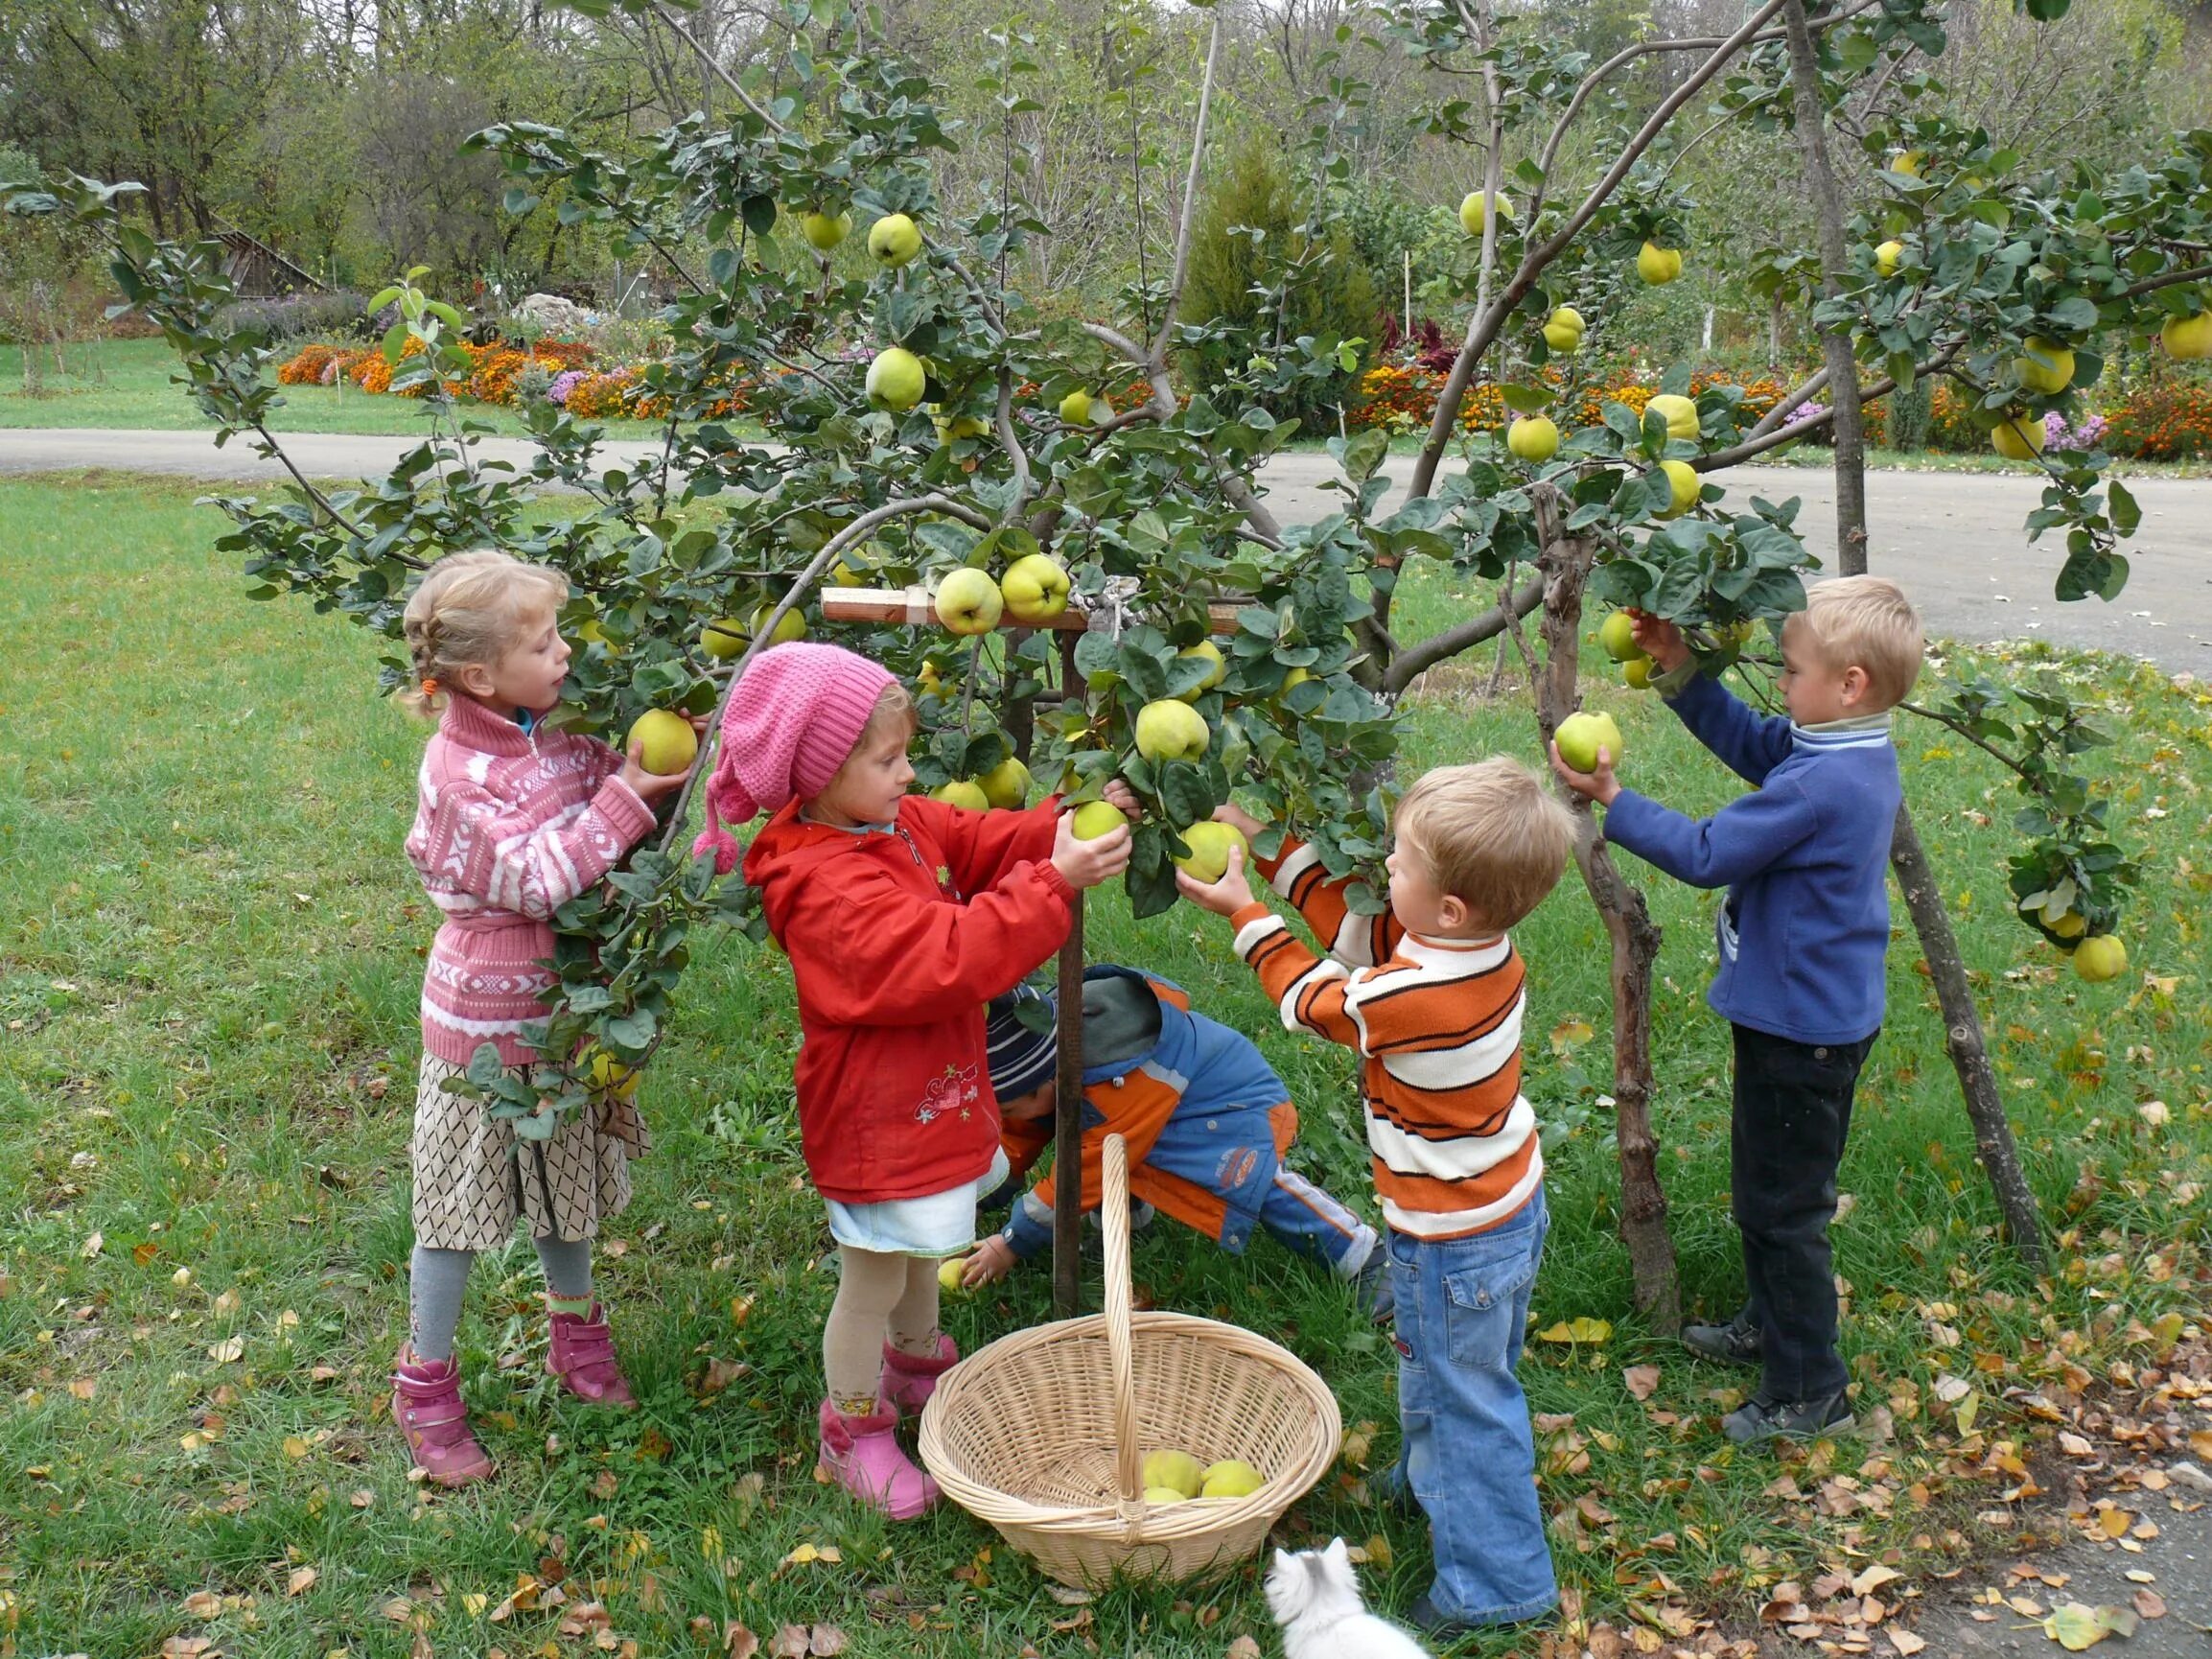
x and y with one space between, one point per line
902 917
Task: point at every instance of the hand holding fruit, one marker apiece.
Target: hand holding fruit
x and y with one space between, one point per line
660 750
1225 897
1238 819
1123 798
1660 640
994 1259
1597 784
1087 863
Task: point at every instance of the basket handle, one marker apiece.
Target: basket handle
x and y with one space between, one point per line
1114 1215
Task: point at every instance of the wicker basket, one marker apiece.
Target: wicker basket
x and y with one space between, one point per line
1043 1432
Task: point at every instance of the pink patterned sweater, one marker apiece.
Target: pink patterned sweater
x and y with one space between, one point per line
511 826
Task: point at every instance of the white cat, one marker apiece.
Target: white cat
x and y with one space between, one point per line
1315 1597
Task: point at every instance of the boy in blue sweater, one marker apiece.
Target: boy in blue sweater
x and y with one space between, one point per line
1802 937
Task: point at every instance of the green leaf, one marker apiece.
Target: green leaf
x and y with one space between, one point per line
1526 400
2126 514
759 213
395 340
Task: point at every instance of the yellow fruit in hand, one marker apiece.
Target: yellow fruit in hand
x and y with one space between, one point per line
1231 1478
1658 266
2187 337
2019 436
824 231
1005 786
1176 1472
1636 673
1580 736
1474 210
670 743
1209 844
965 792
608 1075
1617 635
1678 413
968 601
948 1273
895 380
1683 480
724 637
2047 366
1887 256
1172 730
1096 818
2101 958
1533 438
894 240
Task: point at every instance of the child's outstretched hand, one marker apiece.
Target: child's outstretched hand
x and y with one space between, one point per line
1225 897
1661 641
650 786
1599 785
992 1260
1118 795
1238 819
1087 863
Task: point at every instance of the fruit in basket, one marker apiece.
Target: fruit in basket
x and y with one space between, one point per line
1159 1497
1178 1471
1231 1478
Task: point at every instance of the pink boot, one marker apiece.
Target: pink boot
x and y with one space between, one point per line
909 1379
427 1406
583 1358
862 1455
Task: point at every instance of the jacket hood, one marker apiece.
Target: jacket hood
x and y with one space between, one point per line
790 848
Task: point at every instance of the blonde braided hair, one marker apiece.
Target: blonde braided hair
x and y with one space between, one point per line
469 610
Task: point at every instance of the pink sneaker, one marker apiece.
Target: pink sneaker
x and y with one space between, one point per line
583 1358
862 1455
909 1379
427 1406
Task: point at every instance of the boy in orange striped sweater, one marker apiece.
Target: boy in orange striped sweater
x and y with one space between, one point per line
1430 994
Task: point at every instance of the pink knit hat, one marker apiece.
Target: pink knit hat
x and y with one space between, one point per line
790 724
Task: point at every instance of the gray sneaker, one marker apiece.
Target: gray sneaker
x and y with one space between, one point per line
1737 1343
1763 1419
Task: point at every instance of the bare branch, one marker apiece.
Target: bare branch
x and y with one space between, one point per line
1190 199
2172 279
668 16
1023 483
1418 658
1789 404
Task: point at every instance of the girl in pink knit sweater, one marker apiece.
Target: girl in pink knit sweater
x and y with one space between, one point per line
515 820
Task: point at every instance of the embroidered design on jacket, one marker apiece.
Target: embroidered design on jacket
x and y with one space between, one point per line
955 1090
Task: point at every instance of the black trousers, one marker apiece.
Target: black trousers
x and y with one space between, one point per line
1793 1110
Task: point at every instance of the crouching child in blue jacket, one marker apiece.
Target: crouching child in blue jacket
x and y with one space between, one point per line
1206 1119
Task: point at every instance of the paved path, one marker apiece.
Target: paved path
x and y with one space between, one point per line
1953 539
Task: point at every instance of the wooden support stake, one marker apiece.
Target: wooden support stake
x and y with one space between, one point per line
1067 1128
915 608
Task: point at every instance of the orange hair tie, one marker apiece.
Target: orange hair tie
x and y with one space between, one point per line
430 688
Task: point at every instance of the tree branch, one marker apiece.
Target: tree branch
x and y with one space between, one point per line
668 16
1003 419
1190 201
1418 658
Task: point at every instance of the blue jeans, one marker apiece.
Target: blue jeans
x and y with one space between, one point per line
1470 1452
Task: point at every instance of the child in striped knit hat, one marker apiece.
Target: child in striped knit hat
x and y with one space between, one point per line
515 820
902 916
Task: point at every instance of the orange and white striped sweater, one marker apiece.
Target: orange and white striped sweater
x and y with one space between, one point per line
1437 1025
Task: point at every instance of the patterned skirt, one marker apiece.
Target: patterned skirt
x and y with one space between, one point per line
474 1176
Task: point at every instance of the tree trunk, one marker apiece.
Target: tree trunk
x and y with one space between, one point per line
1994 1145
1849 426
1995 1148
1068 1128
1566 562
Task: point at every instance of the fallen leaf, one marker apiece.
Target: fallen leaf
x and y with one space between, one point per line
84 1388
2150 1605
826 1641
1242 1648
1578 1330
1873 1580
363 1498
301 1581
738 1642
1641 1380
1904 1641
202 1604
788 1642
227 1350
1571 1034
2075 1626
190 1648
93 1246
294 1447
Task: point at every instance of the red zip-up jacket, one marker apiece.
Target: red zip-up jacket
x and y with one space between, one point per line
897 941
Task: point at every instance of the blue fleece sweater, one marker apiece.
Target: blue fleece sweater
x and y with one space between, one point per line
1804 857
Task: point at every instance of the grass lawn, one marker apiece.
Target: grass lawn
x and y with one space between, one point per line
125 384
209 964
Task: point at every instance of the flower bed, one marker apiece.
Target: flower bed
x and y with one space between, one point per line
497 374
1403 397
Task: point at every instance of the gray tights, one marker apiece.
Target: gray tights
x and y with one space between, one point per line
437 1277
